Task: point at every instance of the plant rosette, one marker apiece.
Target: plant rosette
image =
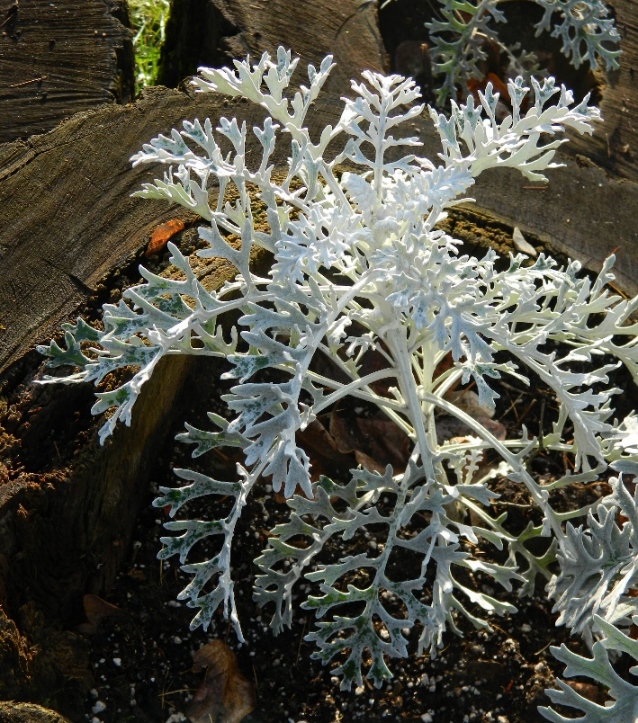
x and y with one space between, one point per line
359 264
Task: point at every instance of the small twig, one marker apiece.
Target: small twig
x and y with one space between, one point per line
538 652
10 14
174 692
303 630
526 392
525 413
27 82
496 627
512 406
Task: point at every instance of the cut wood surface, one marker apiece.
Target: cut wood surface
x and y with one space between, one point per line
54 252
212 32
67 219
59 58
68 506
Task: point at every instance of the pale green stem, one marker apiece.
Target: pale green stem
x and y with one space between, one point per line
508 456
352 389
397 342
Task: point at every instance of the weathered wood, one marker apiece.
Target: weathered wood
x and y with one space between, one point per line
67 221
57 59
12 712
66 216
66 529
582 214
53 253
67 515
212 32
614 145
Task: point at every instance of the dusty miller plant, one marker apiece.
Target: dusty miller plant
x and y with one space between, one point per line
459 39
359 264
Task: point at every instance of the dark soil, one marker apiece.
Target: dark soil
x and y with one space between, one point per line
141 651
141 660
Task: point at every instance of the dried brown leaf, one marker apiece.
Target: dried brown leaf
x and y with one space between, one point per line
448 428
587 690
97 610
322 447
368 463
468 401
225 695
374 361
493 426
384 442
344 440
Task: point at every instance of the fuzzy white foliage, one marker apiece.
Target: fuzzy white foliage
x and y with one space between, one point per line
360 250
623 708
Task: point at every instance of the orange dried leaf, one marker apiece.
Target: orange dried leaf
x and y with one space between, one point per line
225 695
162 235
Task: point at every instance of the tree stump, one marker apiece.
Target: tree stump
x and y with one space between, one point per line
57 59
213 32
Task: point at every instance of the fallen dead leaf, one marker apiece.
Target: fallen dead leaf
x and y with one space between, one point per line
322 449
136 574
449 427
374 361
162 235
368 463
384 442
225 695
468 401
344 440
587 690
97 610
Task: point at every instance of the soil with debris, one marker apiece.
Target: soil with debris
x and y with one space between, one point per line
141 649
